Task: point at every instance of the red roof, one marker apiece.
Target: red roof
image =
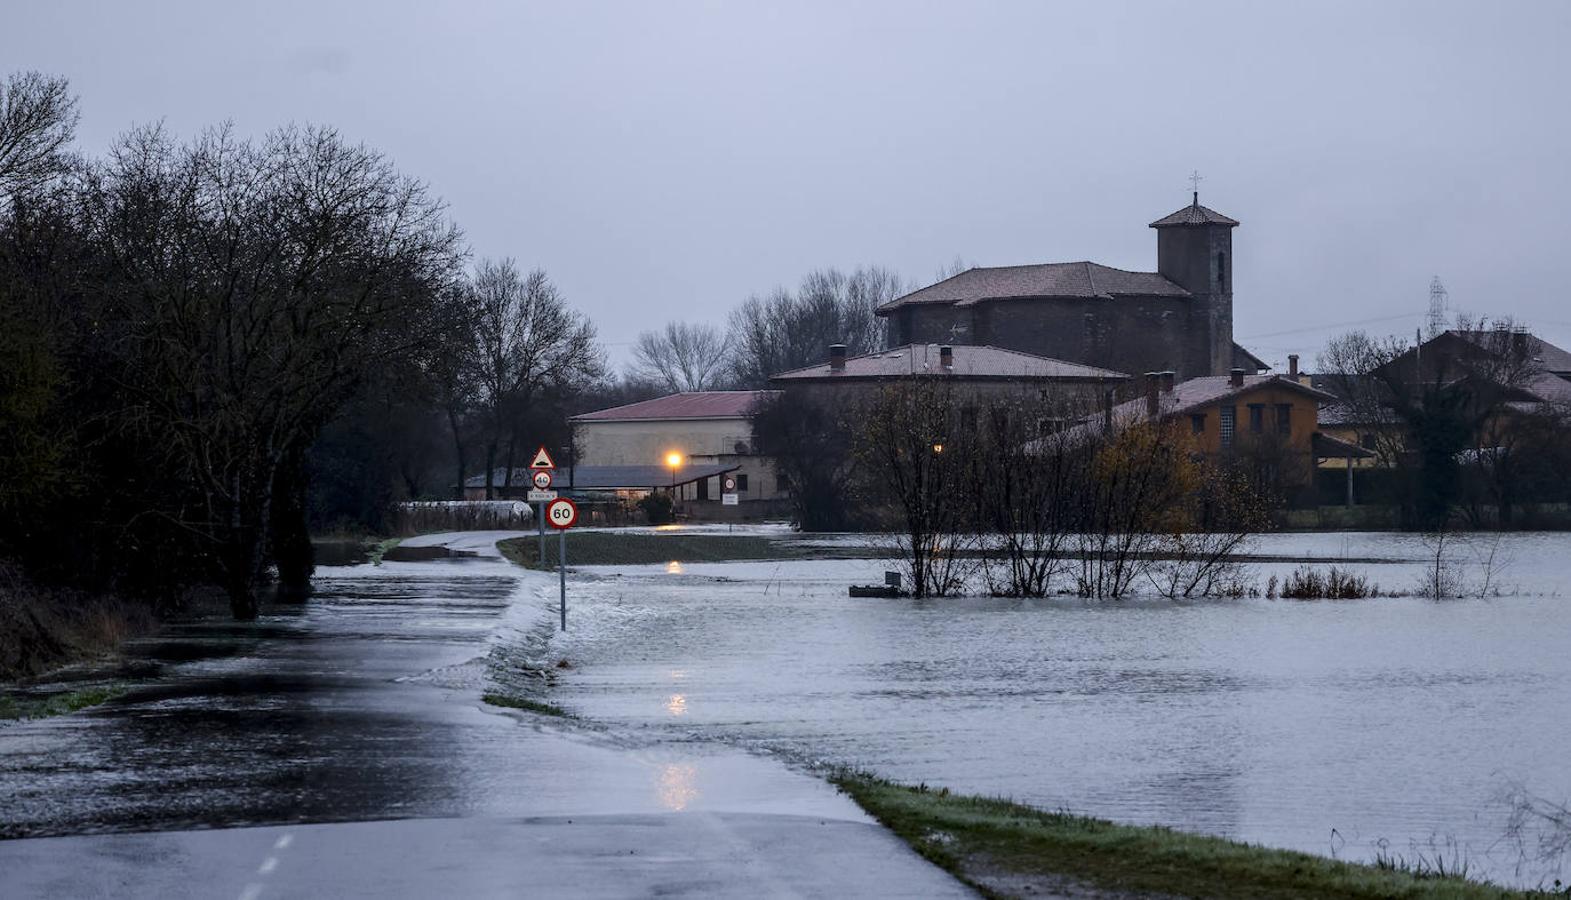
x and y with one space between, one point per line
690 405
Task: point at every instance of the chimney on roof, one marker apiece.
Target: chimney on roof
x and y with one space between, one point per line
946 357
1292 366
1236 377
1153 393
837 357
1167 381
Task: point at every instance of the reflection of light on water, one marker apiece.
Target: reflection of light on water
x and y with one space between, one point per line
677 705
673 568
678 786
678 674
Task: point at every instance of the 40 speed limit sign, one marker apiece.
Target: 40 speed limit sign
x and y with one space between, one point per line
561 513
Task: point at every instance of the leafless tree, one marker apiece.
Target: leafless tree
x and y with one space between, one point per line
38 119
1024 471
243 290
911 448
682 356
528 342
783 331
1140 477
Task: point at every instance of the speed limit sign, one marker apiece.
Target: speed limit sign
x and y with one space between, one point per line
542 479
562 513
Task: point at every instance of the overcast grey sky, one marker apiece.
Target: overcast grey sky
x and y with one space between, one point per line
665 160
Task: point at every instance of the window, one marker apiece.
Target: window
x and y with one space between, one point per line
1197 423
741 482
1284 418
1221 270
1257 418
1226 425
703 489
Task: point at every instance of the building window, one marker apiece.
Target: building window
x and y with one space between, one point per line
1225 425
1221 270
1284 418
741 482
1257 418
1197 424
703 488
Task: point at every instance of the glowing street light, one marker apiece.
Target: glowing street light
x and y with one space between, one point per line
674 460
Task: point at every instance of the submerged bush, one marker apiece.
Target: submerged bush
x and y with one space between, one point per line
1307 583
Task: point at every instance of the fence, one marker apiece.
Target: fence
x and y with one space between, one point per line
421 517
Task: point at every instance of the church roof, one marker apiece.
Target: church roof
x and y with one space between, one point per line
1076 279
1194 214
966 361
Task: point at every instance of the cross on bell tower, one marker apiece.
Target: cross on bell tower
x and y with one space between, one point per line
1194 182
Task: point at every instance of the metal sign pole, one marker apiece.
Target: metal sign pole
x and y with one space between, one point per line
540 515
561 569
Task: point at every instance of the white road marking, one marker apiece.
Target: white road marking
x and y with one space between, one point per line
283 842
268 865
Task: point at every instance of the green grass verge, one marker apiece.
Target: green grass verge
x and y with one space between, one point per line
1004 849
535 706
58 704
613 548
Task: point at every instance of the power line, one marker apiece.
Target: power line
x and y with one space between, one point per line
1329 325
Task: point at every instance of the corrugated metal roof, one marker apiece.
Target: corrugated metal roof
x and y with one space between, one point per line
690 405
968 362
1075 279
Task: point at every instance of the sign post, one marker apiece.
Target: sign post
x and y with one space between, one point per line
541 464
728 495
563 514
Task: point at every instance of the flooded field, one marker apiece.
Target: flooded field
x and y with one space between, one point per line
1394 725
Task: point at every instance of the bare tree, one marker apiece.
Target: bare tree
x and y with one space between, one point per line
1023 473
1140 477
911 447
682 356
528 343
783 331
38 119
242 291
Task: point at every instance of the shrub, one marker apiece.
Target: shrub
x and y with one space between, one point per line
658 508
1306 583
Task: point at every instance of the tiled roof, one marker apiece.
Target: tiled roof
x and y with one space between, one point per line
968 362
604 478
1545 354
1076 279
691 405
1243 359
1194 214
1209 389
1325 446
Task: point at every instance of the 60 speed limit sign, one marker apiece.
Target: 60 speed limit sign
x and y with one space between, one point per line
561 513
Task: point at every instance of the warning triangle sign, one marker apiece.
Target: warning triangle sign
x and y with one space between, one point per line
542 460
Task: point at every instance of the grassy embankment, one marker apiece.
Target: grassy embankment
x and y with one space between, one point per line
614 548
1004 849
512 701
57 704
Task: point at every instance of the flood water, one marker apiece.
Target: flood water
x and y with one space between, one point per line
1333 727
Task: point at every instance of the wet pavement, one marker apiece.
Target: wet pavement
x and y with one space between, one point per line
362 706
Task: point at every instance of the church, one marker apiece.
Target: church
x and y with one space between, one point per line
1178 318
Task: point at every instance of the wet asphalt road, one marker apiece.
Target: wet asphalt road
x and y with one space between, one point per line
361 707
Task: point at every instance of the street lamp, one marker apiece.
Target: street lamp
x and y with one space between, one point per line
674 460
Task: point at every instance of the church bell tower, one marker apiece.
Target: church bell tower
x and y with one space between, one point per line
1194 249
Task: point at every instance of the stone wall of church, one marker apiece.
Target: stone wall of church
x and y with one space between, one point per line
1133 335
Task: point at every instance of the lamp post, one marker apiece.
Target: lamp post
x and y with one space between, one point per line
674 460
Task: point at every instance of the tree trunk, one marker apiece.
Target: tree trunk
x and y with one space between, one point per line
290 533
458 451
